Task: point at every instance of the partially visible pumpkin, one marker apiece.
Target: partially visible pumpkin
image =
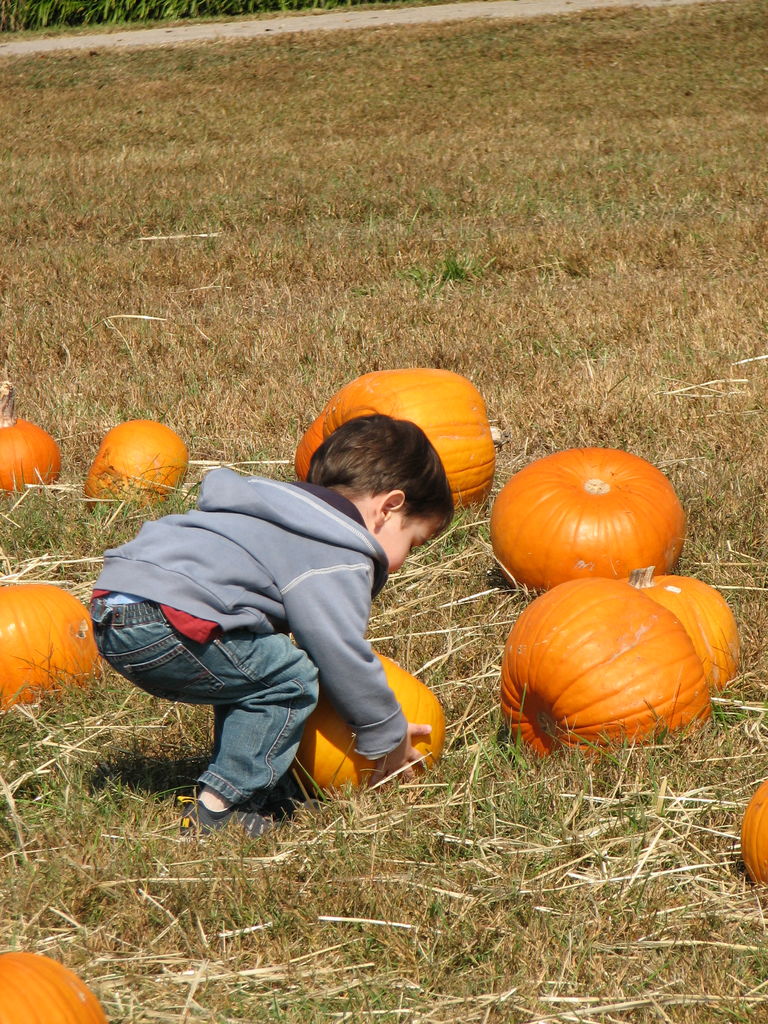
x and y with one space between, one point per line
448 408
35 989
308 445
46 642
593 661
704 613
138 460
585 512
28 454
754 835
326 755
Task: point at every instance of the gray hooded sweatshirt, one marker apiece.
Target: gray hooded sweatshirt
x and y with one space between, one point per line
267 556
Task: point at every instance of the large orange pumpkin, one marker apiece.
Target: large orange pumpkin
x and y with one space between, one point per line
34 989
28 454
754 835
705 615
46 642
593 661
448 408
138 459
585 512
326 754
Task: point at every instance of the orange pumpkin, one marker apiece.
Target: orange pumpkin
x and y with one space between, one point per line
326 755
593 661
448 408
585 512
46 642
704 613
138 459
754 835
28 454
35 989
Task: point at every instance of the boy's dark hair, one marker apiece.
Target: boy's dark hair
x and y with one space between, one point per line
374 454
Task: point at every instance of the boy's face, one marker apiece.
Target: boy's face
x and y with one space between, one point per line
400 535
397 533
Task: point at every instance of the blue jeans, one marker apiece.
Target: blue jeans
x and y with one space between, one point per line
262 688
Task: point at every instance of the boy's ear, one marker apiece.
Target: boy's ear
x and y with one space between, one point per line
392 501
377 508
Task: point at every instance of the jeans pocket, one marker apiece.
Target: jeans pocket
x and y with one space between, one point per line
268 659
166 668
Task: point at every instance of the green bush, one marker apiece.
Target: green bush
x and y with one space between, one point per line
36 14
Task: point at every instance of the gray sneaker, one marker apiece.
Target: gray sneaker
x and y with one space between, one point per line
197 820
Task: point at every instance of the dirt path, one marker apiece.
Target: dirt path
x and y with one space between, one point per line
319 21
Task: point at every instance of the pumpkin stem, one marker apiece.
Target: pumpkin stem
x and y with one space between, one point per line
642 578
7 398
596 486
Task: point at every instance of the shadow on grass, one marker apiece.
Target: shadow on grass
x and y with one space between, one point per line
146 774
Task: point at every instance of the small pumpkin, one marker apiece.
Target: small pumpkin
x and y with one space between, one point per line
326 754
138 460
704 613
592 662
35 989
28 454
46 642
754 835
585 512
448 408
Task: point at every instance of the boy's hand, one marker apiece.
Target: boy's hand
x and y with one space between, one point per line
403 756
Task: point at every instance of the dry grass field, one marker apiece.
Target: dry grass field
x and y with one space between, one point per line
572 213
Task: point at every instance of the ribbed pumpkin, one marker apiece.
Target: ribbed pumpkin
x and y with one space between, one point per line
704 613
46 642
754 835
34 989
326 754
138 460
593 661
585 512
28 454
448 408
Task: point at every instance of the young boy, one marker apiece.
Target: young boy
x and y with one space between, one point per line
198 607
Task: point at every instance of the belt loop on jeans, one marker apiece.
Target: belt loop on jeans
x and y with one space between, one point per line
100 611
